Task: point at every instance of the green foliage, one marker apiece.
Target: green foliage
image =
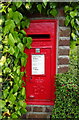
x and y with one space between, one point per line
72 19
39 7
45 8
54 12
67 93
14 41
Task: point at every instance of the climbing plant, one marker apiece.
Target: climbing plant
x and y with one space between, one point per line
13 41
72 19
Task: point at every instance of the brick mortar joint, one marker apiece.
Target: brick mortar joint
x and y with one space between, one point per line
60 18
39 106
64 38
64 28
62 65
64 47
63 56
39 113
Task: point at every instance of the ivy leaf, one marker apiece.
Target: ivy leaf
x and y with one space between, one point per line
11 50
67 8
14 115
73 13
23 61
25 40
44 4
16 52
1 117
73 36
21 36
18 70
20 16
10 12
54 12
29 41
11 40
7 70
15 35
2 60
72 44
53 4
23 32
12 98
78 41
21 103
21 47
23 110
27 22
18 4
6 29
1 80
23 91
2 104
23 24
72 23
39 7
15 88
5 93
17 17
18 113
9 22
28 6
67 20
48 11
77 21
9 26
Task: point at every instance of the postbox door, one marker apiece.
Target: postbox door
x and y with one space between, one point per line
38 80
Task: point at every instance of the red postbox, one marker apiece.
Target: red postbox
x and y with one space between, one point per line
41 62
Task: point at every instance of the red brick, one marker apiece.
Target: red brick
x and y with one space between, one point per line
64 42
62 21
28 109
48 109
64 32
62 61
63 51
61 12
63 69
37 109
33 115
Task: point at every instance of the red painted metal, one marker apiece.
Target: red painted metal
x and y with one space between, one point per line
40 88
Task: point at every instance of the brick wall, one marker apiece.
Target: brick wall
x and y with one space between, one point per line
63 43
42 111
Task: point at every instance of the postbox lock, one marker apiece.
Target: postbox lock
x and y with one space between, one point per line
31 78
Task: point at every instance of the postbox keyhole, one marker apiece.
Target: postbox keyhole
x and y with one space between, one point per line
30 77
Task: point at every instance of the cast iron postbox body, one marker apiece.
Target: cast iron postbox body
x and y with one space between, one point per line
41 63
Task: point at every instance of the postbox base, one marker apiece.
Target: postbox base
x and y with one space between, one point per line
39 103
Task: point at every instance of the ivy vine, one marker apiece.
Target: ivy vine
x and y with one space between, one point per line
13 42
72 19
